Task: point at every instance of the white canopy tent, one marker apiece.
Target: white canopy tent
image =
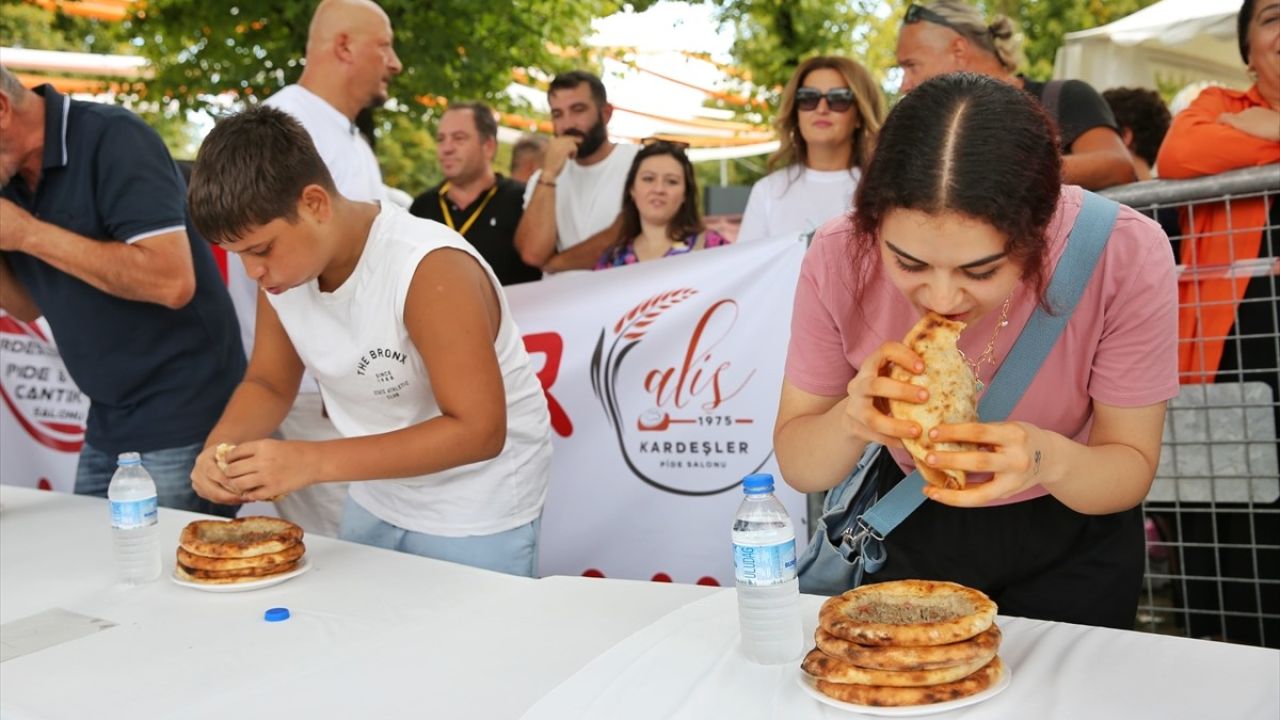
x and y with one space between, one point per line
1174 41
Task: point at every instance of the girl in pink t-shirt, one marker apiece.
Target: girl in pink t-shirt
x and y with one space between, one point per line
962 212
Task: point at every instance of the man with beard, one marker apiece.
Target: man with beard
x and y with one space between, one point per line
351 59
572 209
479 204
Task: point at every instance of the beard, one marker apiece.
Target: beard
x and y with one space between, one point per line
592 139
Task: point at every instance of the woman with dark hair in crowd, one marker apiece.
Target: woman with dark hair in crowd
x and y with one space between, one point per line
1228 324
827 125
660 215
962 213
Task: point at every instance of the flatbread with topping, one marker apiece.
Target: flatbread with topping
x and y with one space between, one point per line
202 577
922 657
908 612
825 667
952 394
200 562
240 538
881 696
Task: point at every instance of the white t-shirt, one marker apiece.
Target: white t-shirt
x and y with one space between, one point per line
588 199
796 200
355 343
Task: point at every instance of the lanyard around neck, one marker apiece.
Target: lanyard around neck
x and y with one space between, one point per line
448 217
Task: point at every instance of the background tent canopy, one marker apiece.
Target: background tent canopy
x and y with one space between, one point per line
1170 43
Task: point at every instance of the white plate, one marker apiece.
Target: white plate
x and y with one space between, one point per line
303 565
810 686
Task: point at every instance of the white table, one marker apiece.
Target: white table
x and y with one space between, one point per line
378 634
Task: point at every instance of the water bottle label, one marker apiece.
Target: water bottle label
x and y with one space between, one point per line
131 514
764 564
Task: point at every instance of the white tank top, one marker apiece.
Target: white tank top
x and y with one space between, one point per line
354 341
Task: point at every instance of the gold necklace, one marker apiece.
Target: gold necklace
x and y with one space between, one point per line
988 355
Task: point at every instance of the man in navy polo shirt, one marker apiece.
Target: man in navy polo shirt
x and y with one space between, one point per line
94 236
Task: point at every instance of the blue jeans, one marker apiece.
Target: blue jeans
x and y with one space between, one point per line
514 552
169 467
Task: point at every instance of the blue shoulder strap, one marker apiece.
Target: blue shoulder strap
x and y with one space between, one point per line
1085 244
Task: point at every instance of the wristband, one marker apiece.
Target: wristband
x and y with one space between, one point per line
548 183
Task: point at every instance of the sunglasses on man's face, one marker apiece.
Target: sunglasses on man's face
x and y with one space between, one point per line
838 99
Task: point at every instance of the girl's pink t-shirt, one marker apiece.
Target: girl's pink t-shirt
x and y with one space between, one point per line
1119 347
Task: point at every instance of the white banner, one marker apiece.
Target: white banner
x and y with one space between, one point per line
663 381
42 423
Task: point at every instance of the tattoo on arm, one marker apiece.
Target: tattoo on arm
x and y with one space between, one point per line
1036 469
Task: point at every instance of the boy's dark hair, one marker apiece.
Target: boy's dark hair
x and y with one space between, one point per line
1242 29
574 78
972 145
251 170
1143 112
486 124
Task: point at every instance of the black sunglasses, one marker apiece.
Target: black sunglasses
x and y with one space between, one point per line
917 13
838 99
665 143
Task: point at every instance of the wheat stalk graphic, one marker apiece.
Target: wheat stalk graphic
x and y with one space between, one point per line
643 315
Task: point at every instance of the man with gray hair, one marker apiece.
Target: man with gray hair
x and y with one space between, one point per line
947 36
527 155
95 237
351 60
479 204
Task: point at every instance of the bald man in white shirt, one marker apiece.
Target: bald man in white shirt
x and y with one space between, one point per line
351 60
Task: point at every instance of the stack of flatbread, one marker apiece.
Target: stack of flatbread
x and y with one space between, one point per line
952 394
906 642
225 552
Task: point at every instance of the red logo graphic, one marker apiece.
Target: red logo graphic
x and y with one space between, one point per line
552 346
36 388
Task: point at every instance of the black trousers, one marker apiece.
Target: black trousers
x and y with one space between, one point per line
1036 559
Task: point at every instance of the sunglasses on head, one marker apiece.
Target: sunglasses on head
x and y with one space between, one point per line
918 13
673 144
838 99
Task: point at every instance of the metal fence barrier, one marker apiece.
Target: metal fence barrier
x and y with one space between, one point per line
1212 516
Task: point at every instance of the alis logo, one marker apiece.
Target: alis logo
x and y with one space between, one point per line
36 388
670 377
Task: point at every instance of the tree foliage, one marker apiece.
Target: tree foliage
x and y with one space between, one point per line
773 36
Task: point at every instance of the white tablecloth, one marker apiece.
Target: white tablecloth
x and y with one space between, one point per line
688 666
378 634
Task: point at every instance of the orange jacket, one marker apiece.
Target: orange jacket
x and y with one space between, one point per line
1198 145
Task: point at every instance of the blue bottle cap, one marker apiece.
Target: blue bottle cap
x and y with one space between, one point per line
128 458
276 614
757 484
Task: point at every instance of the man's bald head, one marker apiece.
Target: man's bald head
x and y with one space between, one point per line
351 56
333 17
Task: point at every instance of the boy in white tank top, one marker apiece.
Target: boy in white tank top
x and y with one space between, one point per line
404 326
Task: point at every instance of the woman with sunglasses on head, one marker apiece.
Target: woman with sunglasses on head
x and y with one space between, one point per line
962 213
827 125
659 209
950 35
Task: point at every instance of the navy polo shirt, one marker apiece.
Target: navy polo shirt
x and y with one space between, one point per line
156 378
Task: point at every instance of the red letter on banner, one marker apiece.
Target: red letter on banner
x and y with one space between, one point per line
551 345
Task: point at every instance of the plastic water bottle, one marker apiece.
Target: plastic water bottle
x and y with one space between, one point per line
132 494
764 566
